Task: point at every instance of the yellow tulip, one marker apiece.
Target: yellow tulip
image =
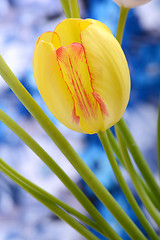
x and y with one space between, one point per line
82 75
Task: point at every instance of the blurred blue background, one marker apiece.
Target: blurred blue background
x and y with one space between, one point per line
21 22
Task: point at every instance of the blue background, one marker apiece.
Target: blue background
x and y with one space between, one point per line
21 22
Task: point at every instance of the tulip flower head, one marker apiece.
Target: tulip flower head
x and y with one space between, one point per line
82 75
131 3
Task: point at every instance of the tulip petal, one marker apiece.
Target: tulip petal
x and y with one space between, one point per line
47 37
84 24
50 37
56 40
109 71
52 87
69 31
87 22
77 77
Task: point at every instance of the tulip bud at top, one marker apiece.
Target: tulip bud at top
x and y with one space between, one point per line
131 3
82 75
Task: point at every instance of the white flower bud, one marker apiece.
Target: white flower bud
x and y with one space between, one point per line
131 3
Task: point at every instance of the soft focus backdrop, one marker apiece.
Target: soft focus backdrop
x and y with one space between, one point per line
21 22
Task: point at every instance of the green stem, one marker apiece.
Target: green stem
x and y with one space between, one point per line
142 194
48 200
74 8
137 155
158 139
66 8
148 192
107 147
29 186
117 152
115 146
139 159
121 23
38 150
87 175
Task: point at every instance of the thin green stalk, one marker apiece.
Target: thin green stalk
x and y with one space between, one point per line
39 151
29 186
158 140
142 194
87 175
154 200
45 199
107 147
119 37
139 159
137 155
66 8
115 146
116 149
121 23
74 8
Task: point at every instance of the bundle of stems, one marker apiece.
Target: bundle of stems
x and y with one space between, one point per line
122 148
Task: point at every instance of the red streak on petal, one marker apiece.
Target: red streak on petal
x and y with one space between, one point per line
38 40
77 48
101 103
86 96
95 95
79 90
75 117
76 87
55 34
59 53
90 74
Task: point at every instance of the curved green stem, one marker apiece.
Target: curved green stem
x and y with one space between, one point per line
115 146
107 147
66 8
142 194
49 201
121 23
154 200
116 149
38 150
74 8
29 186
137 155
139 159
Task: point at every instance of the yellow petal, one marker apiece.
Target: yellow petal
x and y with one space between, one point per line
87 22
109 70
52 87
69 31
84 24
76 75
50 37
56 40
47 37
